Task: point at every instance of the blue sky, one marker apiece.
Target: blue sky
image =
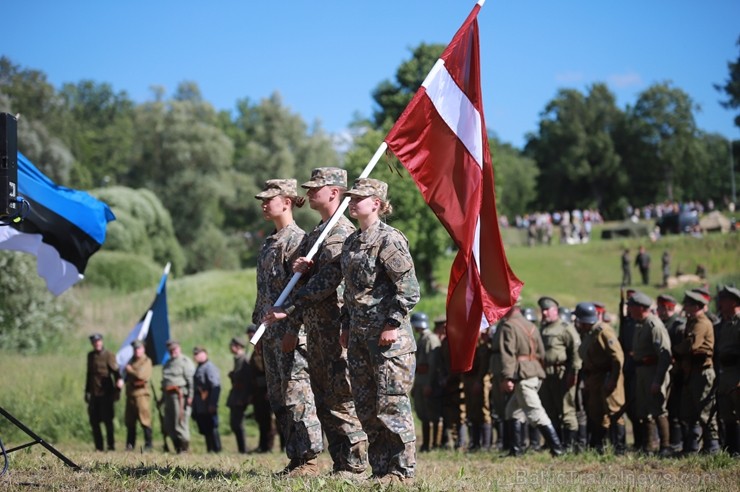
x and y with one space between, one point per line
325 57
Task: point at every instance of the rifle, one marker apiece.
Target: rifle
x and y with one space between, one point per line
158 404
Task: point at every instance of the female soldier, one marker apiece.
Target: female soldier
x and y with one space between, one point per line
380 291
284 343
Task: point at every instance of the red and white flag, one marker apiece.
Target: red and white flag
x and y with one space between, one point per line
441 139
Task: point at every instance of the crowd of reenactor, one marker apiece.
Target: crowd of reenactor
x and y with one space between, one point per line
568 381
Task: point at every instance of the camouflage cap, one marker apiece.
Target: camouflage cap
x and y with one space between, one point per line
326 176
729 292
137 343
640 299
691 296
547 302
368 187
275 187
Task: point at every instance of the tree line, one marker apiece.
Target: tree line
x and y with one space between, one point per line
182 176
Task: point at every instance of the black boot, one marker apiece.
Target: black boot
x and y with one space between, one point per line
216 440
568 439
486 436
424 436
209 441
535 441
551 438
676 435
147 438
597 439
515 437
638 431
691 439
110 436
617 435
710 444
130 438
97 437
732 438
581 437
664 433
500 436
474 437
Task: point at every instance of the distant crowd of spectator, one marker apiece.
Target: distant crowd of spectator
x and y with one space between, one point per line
575 226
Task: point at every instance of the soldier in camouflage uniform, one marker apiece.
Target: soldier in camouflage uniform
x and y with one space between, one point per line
102 387
670 315
317 303
138 373
522 352
427 349
728 384
177 396
695 352
477 389
651 351
380 290
284 343
240 394
603 359
562 363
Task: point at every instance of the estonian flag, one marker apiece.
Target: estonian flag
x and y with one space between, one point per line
153 328
63 228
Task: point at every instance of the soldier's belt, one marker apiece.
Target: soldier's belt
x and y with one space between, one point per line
173 389
138 384
525 358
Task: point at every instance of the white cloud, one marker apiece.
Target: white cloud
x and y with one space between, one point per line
624 80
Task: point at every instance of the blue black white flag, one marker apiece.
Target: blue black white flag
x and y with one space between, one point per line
153 328
63 228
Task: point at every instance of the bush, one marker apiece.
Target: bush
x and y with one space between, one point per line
122 272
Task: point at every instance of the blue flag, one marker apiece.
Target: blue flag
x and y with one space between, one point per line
63 227
153 328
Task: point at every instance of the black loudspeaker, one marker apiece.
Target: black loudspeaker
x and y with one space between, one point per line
8 165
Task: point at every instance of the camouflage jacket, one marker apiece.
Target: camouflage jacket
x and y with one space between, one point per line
274 270
380 280
318 301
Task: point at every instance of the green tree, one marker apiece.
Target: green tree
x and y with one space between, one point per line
731 87
515 178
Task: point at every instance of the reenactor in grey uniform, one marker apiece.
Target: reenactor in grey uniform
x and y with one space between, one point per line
207 383
651 351
562 363
380 290
454 430
696 351
317 303
427 348
477 389
670 315
102 388
138 373
284 342
177 396
603 359
240 395
522 353
728 384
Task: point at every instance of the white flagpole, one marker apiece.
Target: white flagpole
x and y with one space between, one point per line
314 249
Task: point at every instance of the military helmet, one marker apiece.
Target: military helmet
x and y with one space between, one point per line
586 313
565 314
530 314
420 320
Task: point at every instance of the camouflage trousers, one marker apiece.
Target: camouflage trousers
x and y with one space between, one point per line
335 406
381 382
291 398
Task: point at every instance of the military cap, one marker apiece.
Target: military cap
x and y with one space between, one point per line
95 337
238 341
440 320
172 343
730 292
694 297
275 187
251 328
704 292
137 343
547 302
600 307
368 187
326 176
640 299
198 349
667 300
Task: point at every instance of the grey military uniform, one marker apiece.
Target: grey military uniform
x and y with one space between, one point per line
177 388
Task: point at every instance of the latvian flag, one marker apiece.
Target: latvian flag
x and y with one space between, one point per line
63 228
441 139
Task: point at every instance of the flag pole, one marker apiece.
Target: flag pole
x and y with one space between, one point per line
325 232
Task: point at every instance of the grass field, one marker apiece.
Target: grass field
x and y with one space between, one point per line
45 390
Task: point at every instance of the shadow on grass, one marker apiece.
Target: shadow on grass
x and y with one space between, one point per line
177 472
